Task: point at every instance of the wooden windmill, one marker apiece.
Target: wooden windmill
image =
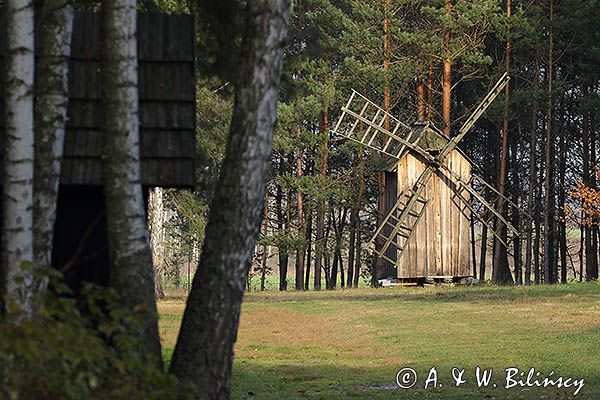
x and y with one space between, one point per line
430 189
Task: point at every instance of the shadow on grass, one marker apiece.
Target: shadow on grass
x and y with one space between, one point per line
284 381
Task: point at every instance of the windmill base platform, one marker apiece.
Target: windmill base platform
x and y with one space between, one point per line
429 280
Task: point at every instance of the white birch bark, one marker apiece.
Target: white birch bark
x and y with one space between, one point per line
131 271
17 236
54 49
156 222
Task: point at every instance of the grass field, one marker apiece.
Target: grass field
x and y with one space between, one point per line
349 344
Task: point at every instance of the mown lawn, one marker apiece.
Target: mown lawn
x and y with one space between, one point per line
349 344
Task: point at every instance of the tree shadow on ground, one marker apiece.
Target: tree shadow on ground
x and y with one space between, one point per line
293 381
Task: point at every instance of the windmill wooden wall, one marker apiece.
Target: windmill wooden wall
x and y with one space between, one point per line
439 247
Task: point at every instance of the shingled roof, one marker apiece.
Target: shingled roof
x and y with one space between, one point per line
427 136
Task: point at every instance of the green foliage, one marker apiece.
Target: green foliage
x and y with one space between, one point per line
79 350
213 113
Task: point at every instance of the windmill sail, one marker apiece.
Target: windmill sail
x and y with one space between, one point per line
364 122
485 210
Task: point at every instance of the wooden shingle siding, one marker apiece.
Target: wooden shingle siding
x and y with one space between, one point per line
167 101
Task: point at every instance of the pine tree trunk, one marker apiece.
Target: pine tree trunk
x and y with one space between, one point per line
580 252
339 243
537 273
281 217
378 262
533 181
337 255
562 226
421 103
358 245
326 254
482 253
595 234
351 248
265 255
131 272
204 351
473 247
500 270
549 234
594 244
54 49
516 218
447 76
309 229
301 249
590 272
430 90
17 196
322 165
334 269
357 259
353 228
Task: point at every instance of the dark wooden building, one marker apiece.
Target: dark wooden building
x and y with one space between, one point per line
167 128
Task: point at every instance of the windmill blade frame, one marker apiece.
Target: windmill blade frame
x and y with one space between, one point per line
374 118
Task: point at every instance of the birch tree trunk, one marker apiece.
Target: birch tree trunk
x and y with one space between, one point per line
204 351
156 223
17 196
52 68
130 257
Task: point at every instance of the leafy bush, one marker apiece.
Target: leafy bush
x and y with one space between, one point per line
79 349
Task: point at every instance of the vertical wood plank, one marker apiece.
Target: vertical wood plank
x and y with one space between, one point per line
465 266
401 260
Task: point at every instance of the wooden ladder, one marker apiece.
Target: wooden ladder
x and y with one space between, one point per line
411 207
